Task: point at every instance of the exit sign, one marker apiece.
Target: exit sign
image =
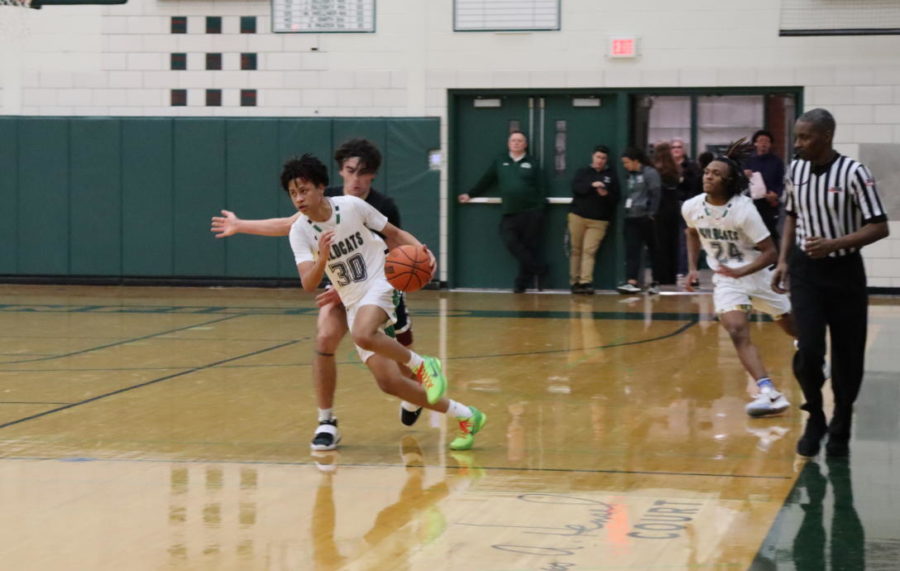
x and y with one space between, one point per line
623 47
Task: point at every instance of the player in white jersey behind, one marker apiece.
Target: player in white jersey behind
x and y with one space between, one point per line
739 249
337 236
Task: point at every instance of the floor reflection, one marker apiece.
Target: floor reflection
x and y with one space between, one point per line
829 532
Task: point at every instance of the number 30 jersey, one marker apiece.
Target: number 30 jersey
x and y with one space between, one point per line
356 257
728 233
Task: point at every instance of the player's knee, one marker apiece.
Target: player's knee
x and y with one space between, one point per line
327 342
739 333
364 341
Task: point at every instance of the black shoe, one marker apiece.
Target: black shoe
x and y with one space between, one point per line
576 288
327 435
587 289
519 286
811 441
837 447
409 417
695 283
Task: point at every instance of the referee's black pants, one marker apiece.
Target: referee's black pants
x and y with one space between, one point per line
830 294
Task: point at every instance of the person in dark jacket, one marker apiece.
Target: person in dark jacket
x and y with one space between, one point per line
517 175
595 191
771 167
642 195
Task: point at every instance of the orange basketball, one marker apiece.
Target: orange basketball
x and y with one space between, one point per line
408 268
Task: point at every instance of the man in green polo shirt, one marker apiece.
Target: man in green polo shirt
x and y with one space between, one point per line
518 177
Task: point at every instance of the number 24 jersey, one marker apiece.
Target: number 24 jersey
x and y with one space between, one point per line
728 233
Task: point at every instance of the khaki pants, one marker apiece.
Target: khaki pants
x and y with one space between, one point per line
586 235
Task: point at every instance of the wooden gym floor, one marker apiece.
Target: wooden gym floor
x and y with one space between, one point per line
168 428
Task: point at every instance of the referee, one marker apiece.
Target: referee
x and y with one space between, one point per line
833 210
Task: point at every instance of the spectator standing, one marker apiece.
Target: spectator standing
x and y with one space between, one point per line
642 195
690 184
595 191
771 169
667 216
690 181
517 175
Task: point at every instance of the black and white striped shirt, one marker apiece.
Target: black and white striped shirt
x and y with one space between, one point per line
831 201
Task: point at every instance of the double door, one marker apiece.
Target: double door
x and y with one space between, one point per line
563 129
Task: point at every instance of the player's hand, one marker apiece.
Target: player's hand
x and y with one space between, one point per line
463 198
325 241
431 256
772 198
781 280
689 280
225 225
328 297
730 272
816 247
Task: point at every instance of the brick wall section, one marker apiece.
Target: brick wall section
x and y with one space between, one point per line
91 60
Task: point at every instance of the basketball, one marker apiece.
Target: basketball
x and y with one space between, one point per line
408 268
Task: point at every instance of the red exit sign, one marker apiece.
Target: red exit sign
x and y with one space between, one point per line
623 47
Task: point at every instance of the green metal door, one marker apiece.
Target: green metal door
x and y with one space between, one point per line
563 130
482 126
571 126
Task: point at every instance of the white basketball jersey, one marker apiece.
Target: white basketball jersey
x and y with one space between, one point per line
357 252
728 233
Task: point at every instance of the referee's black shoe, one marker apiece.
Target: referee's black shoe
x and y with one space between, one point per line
837 447
811 441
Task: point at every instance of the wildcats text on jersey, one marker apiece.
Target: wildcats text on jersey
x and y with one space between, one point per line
346 246
718 234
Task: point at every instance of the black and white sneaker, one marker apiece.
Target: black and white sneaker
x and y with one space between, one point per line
327 435
409 417
628 288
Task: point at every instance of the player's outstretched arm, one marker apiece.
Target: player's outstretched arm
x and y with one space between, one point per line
229 224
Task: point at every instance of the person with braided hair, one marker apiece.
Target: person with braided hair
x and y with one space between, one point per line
739 249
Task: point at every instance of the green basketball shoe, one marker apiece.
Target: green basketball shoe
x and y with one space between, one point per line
431 377
468 428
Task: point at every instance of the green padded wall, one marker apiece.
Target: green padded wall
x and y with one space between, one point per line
147 170
409 180
251 190
95 198
132 197
43 197
9 181
199 190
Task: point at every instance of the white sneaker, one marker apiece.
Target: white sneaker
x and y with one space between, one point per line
628 288
767 403
327 436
